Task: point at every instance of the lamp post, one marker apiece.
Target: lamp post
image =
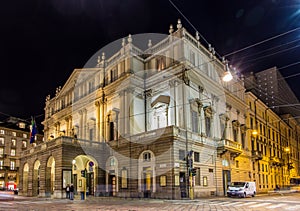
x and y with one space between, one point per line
287 150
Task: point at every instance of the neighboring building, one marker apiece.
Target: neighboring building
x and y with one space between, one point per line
275 146
14 138
140 123
273 90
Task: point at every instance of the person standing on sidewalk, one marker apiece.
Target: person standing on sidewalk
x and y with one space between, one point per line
72 192
68 191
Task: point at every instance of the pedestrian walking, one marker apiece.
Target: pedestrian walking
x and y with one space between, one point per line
68 191
72 192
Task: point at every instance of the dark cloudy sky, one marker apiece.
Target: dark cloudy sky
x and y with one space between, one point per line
41 42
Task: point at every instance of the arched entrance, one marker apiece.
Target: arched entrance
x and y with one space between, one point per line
112 184
84 174
25 179
36 178
146 173
50 176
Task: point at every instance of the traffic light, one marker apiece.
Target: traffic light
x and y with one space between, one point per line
194 171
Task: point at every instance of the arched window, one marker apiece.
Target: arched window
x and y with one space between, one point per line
147 156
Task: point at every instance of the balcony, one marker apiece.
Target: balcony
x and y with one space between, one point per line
257 155
234 148
275 161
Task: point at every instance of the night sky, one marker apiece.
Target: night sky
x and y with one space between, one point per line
43 41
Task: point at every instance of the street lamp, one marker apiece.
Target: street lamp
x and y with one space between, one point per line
287 150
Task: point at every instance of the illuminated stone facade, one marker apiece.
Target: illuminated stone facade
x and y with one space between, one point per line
137 124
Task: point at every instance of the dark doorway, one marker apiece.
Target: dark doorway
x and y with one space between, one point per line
112 183
226 180
90 183
182 184
147 182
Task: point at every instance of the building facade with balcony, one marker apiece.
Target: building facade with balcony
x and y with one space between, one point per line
14 138
156 122
274 145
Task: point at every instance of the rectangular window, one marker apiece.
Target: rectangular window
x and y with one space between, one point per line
196 157
195 122
111 131
192 57
205 181
13 152
1 164
181 154
237 164
1 152
207 126
197 177
12 165
24 144
163 181
1 141
13 142
124 178
14 133
91 134
2 132
24 135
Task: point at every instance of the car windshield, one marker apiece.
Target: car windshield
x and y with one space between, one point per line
237 184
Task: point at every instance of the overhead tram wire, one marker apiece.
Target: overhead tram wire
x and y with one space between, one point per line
269 49
261 42
271 54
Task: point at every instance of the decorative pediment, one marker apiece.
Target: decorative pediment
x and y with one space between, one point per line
161 99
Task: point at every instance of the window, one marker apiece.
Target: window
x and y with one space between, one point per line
197 177
24 135
91 134
192 57
1 131
112 162
195 121
1 152
160 63
207 126
22 125
13 142
205 181
237 164
124 178
208 118
196 157
14 133
147 156
1 164
13 152
111 131
12 165
163 180
181 154
1 140
24 144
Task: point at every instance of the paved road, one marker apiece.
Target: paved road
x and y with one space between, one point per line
259 203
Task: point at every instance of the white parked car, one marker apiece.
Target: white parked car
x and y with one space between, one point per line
241 189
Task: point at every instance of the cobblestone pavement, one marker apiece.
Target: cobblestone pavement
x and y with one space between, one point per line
260 203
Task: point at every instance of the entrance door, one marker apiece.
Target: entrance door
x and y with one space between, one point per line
48 182
182 184
147 181
112 185
90 183
226 180
75 183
